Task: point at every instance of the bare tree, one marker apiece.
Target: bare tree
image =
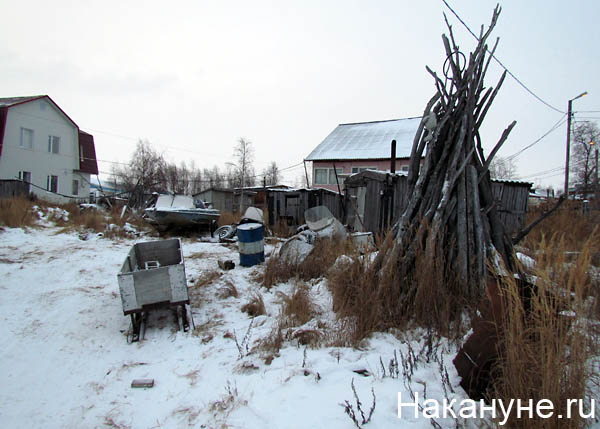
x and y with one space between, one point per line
213 178
243 172
145 173
503 169
271 174
583 161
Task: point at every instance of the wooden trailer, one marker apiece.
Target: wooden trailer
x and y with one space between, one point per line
152 276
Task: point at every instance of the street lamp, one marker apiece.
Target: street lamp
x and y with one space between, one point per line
569 114
592 145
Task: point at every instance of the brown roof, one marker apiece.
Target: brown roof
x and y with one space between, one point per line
87 153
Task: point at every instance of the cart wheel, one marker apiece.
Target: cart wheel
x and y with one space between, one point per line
180 316
190 318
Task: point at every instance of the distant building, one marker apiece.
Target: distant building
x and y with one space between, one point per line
225 200
41 145
108 187
357 147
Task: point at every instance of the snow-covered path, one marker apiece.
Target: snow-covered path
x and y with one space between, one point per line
66 361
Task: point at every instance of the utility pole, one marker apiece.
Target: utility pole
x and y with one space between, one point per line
569 114
592 144
596 182
568 149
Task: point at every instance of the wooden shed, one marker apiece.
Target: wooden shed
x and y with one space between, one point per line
13 188
225 200
289 205
511 201
374 200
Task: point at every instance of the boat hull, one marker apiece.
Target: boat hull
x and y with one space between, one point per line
181 217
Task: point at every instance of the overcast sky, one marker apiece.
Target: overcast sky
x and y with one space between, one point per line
193 77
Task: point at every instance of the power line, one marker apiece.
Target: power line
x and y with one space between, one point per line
170 147
559 170
500 63
554 127
120 174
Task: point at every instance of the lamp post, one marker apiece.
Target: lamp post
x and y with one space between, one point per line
592 144
569 114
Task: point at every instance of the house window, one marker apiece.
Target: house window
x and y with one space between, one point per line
26 138
321 176
81 158
326 176
75 187
25 176
53 144
404 169
52 184
332 172
360 169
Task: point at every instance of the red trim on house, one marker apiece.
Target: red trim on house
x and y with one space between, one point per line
39 97
87 153
3 115
61 110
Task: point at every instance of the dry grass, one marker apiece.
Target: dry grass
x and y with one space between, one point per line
317 264
572 225
229 218
227 290
273 342
197 255
207 277
255 306
372 301
16 212
297 307
546 338
282 229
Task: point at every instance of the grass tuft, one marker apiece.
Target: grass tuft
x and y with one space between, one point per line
316 264
16 212
547 338
255 306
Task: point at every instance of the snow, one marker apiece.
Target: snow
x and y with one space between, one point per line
527 261
175 202
66 361
295 250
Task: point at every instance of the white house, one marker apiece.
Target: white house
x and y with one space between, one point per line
41 145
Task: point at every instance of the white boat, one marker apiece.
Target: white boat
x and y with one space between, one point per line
180 211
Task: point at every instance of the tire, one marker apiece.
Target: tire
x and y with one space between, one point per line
225 232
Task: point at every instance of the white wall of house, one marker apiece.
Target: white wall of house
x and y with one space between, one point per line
19 153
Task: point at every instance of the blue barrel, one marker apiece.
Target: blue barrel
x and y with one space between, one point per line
251 244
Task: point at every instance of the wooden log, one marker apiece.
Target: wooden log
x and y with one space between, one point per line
462 258
480 250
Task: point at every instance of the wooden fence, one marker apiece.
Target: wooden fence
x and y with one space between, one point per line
375 200
13 188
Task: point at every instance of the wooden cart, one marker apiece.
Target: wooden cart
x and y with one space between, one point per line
153 276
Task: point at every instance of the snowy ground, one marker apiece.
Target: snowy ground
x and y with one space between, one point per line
66 361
